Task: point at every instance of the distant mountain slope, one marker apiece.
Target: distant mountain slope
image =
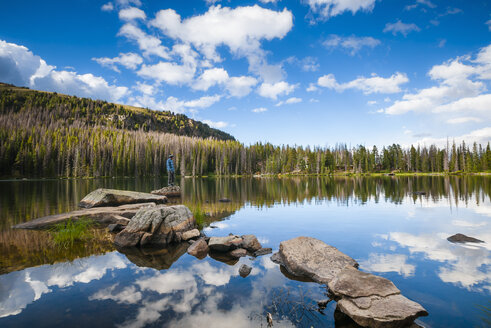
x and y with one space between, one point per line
84 111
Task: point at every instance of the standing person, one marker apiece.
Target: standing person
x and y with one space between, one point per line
170 170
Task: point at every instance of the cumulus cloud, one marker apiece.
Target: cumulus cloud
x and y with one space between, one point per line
239 86
330 8
369 85
289 101
216 125
19 66
129 60
480 136
149 44
388 263
461 120
259 110
107 7
459 91
173 104
132 13
269 90
400 27
352 44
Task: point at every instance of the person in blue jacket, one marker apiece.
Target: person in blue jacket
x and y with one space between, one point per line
170 170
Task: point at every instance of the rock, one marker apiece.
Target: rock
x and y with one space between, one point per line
113 197
314 259
224 244
213 227
382 312
115 227
101 215
169 191
239 252
355 283
164 224
224 200
198 249
190 234
157 258
263 251
250 243
244 270
224 257
373 301
461 238
276 258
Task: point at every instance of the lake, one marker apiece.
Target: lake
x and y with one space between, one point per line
378 221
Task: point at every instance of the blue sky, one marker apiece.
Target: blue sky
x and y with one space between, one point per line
306 72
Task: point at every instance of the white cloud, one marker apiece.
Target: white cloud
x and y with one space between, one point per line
488 23
329 8
240 86
216 125
400 27
371 102
480 136
461 120
107 7
289 101
129 60
210 78
374 84
259 110
21 67
132 13
388 263
168 72
146 89
459 90
272 91
269 1
173 104
150 45
311 88
123 3
351 43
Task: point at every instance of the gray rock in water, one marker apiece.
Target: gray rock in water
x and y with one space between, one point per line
115 227
461 238
276 258
162 225
355 283
244 270
113 197
314 259
239 252
169 191
199 249
382 312
190 234
250 243
263 251
224 244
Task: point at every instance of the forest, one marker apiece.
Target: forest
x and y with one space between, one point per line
49 135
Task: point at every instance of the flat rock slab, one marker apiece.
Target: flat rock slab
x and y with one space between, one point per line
354 283
314 259
190 234
461 238
225 244
113 197
102 215
159 225
169 191
381 312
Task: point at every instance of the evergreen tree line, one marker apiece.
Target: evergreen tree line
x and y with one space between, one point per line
31 149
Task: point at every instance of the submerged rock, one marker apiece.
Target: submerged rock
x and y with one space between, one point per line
461 238
244 270
161 225
169 191
199 249
314 259
113 197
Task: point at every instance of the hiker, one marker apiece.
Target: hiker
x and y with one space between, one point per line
170 170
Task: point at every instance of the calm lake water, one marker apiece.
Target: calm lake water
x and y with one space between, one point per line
379 222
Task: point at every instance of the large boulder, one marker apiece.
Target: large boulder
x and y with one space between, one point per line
160 225
250 243
373 301
311 258
101 215
113 197
169 191
225 244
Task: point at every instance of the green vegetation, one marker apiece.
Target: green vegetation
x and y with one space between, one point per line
66 233
199 215
48 135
